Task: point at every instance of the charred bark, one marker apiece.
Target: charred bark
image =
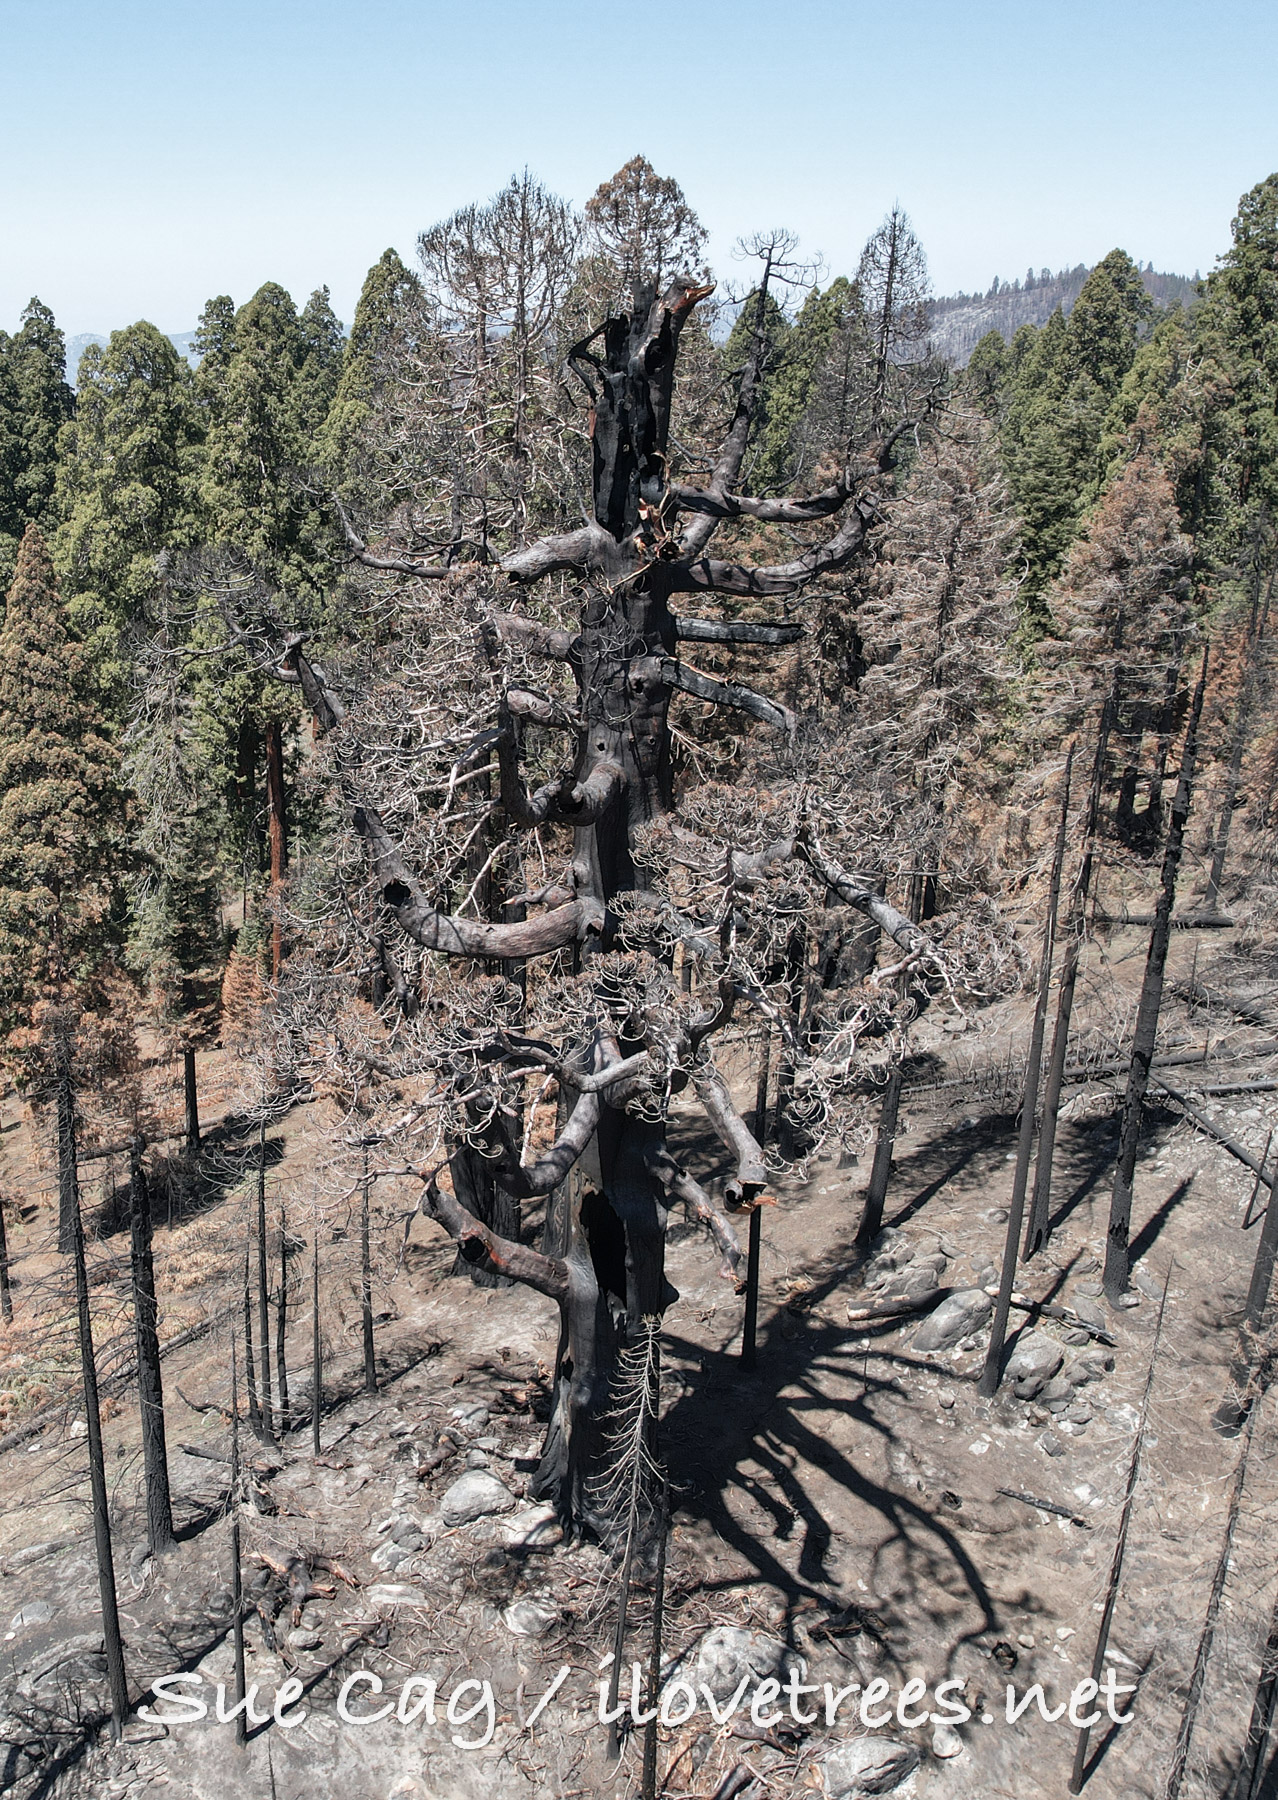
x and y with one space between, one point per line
114 1642
191 1097
366 1279
277 832
155 1459
1117 1256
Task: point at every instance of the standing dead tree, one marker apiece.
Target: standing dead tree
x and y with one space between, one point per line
626 878
1144 1037
159 1507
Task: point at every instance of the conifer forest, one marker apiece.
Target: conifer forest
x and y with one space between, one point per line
639 1027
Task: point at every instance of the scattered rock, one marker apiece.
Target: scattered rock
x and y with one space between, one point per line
1128 1300
1050 1445
530 1618
476 1459
1057 1389
728 1654
946 1741
532 1527
1036 1357
869 1765
35 1612
1152 1289
473 1496
302 1639
1092 1289
917 1281
953 1320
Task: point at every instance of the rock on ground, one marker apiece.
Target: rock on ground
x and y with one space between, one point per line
869 1765
954 1319
474 1496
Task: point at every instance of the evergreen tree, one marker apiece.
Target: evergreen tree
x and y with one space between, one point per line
987 375
319 371
1065 380
12 520
61 812
38 359
125 490
259 422
806 406
1236 336
346 450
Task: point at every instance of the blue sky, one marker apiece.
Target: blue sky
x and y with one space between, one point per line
156 154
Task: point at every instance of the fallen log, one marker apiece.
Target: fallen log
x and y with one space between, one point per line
1062 1512
1212 1130
1179 922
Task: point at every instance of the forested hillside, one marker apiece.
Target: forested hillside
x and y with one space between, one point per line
500 796
960 321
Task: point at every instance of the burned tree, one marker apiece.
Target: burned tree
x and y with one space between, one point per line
628 875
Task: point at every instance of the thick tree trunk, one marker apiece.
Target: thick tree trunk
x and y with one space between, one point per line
881 1168
992 1373
192 1099
114 1643
237 1566
317 1347
1036 1232
155 1459
68 1168
250 1375
6 1297
281 1326
366 1280
263 1311
1117 1255
277 827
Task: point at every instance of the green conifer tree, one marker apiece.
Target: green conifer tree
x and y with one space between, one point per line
38 358
124 492
61 812
346 449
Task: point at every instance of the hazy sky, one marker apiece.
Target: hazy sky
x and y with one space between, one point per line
155 154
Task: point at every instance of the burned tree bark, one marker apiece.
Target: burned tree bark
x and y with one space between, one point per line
263 1314
68 1170
992 1373
1117 1258
1040 1205
277 830
114 1642
317 1348
366 1280
155 1459
6 1296
192 1100
281 1326
250 1375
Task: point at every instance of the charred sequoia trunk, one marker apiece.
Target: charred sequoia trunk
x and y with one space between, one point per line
263 1316
68 1164
277 830
1144 1037
366 1280
155 1456
192 1100
112 1639
6 1297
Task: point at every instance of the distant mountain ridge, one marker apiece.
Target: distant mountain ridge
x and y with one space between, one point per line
960 321
76 347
